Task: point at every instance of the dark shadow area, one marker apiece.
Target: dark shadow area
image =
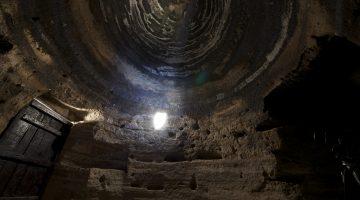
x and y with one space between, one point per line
317 111
5 45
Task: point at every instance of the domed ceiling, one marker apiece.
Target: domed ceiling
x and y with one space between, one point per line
163 54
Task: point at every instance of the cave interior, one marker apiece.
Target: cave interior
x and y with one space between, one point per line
180 99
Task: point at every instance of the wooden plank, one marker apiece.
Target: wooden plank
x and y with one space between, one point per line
32 182
59 142
31 111
20 198
13 134
11 156
41 146
42 143
23 145
15 180
6 175
16 141
57 125
39 124
43 107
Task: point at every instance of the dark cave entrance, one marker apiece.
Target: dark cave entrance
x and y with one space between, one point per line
317 111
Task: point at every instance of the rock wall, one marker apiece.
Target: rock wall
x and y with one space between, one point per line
189 160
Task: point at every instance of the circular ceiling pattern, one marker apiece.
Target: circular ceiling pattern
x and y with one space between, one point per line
164 53
169 38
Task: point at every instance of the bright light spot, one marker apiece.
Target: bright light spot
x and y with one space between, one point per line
159 120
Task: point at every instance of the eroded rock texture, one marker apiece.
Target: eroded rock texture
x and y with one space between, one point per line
209 64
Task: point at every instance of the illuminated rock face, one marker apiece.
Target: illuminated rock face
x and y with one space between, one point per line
208 64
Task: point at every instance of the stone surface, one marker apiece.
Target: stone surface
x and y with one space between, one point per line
242 167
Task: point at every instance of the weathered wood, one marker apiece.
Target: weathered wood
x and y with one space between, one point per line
14 134
11 156
56 124
42 146
28 148
23 144
6 174
19 173
33 181
41 106
20 198
39 124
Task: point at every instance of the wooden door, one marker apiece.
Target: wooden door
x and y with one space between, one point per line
28 151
